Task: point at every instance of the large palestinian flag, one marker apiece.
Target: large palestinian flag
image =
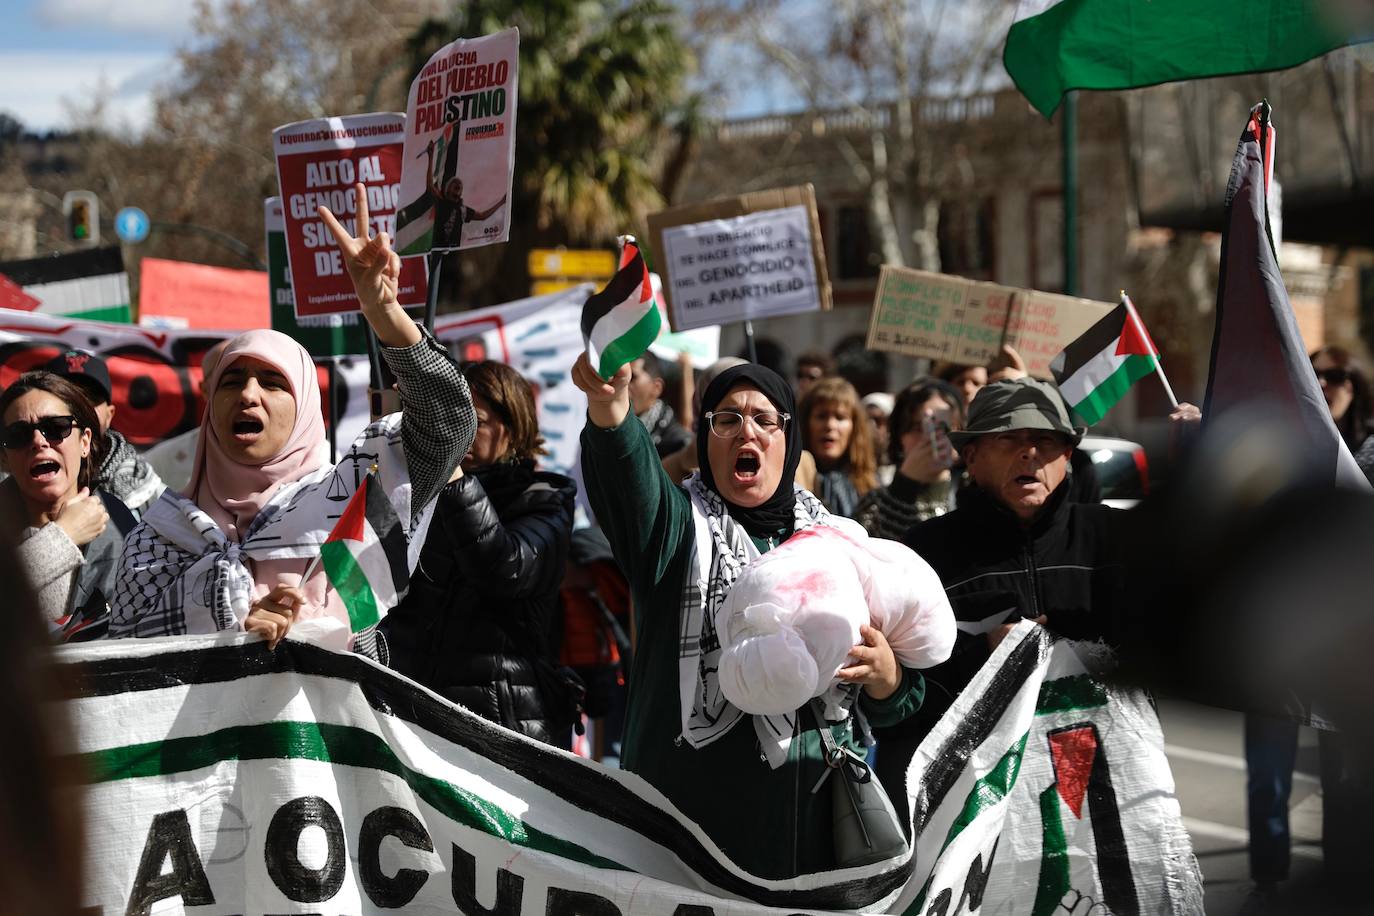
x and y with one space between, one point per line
620 322
1096 370
230 778
84 284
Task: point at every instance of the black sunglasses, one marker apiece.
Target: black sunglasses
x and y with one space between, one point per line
20 434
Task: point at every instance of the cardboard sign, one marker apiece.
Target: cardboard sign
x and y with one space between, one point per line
752 256
941 317
460 147
318 162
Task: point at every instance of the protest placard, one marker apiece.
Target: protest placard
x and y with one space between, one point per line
460 134
318 163
322 335
751 256
947 318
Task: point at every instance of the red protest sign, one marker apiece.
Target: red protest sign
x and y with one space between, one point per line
318 163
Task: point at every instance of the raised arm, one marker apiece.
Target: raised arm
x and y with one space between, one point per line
644 514
440 422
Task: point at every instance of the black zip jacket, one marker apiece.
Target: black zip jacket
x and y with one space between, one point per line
1067 566
482 602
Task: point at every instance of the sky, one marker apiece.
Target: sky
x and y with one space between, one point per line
62 51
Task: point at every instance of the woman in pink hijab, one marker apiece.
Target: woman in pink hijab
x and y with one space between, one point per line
234 550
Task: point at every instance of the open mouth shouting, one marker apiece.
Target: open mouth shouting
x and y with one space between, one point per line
247 429
43 470
748 463
1026 480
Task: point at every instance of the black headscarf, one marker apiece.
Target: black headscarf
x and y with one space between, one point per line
776 512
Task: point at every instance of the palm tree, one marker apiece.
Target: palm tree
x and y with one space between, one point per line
603 115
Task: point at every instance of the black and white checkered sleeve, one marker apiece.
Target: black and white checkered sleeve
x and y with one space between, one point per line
438 421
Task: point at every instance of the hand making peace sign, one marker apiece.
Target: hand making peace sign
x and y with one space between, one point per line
375 270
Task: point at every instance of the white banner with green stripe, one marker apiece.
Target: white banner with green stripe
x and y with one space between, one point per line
226 778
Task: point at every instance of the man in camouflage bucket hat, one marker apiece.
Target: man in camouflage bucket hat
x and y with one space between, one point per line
1017 442
1016 546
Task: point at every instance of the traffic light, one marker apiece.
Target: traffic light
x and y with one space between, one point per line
82 210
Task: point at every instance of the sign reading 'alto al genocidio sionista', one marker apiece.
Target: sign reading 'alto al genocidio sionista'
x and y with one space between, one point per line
318 164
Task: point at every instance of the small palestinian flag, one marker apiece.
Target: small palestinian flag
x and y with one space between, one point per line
620 322
365 556
1096 370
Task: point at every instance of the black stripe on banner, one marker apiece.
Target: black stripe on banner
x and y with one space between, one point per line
1091 342
382 515
953 756
74 266
393 695
623 288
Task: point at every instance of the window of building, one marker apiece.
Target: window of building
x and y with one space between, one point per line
856 257
965 236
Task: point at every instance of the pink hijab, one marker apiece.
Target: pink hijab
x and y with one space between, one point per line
231 493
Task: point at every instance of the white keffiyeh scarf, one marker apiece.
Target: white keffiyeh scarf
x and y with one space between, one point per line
720 549
181 574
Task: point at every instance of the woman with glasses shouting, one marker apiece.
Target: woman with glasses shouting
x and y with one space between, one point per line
752 782
70 534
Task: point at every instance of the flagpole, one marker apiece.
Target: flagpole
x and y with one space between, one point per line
1159 362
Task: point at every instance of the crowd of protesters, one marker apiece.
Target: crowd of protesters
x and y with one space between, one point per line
690 475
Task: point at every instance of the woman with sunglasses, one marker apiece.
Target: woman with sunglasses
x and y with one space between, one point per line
239 549
1345 385
746 780
70 535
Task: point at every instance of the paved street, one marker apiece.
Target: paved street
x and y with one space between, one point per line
1205 747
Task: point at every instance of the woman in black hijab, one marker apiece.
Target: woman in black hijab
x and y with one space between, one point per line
735 775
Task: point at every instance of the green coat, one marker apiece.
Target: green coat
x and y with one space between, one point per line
767 821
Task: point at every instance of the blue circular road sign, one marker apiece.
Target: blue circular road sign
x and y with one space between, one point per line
131 225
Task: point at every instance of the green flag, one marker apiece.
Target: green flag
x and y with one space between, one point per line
1125 44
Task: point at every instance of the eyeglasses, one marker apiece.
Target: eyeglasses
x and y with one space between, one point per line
54 430
727 424
1336 375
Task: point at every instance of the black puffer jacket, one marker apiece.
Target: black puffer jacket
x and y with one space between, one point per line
1067 566
481 604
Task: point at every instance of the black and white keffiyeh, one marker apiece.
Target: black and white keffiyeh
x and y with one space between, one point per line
720 550
180 574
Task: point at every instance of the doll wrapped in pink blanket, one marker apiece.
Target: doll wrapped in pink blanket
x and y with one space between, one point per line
794 613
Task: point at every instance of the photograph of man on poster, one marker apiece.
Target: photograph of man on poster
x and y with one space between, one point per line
450 213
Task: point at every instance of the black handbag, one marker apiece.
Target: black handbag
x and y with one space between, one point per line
865 825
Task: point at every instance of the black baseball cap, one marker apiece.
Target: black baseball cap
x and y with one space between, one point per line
84 368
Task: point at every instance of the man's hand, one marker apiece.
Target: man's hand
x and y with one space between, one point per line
875 666
271 615
376 274
1006 364
83 518
1186 413
608 403
996 636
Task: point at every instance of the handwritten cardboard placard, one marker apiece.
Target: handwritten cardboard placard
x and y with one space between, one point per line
951 319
